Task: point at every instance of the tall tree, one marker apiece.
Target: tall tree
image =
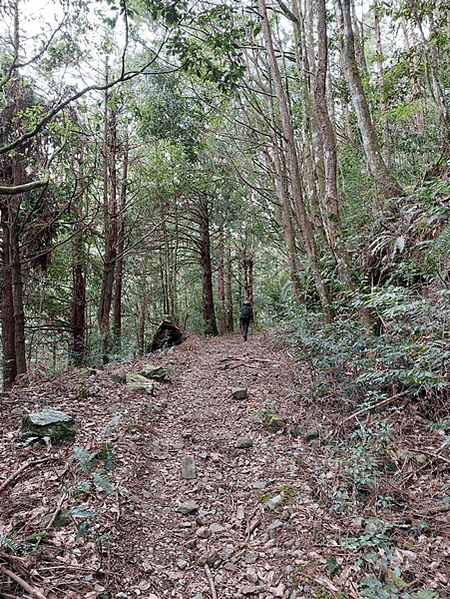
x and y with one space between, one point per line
288 132
387 184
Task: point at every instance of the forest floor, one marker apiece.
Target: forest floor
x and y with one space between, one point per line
259 521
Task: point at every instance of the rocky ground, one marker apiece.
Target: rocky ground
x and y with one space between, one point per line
187 492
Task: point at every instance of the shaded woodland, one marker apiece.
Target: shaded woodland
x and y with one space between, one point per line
164 161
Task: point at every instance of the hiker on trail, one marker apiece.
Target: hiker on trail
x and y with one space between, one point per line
245 317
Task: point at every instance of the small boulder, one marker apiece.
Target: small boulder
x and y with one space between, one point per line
187 507
63 518
147 387
188 467
275 423
120 376
244 443
59 427
158 373
239 393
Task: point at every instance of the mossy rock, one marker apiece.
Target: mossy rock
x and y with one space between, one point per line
275 423
120 376
146 387
157 373
59 427
133 377
239 393
63 518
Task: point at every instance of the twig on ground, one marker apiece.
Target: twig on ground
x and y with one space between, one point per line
384 402
22 583
15 474
211 582
58 509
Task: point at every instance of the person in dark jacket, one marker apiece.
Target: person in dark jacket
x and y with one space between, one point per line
245 317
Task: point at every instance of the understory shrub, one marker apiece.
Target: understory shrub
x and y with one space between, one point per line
409 354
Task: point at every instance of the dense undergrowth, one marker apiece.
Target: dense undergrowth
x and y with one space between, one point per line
389 386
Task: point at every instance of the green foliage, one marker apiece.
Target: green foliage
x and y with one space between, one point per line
101 479
9 545
83 460
107 455
410 353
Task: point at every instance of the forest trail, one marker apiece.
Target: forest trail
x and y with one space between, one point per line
254 522
140 543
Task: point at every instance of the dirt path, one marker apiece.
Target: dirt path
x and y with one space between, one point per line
140 542
249 524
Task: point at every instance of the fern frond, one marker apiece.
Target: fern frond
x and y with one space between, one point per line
9 544
84 461
81 488
106 453
101 479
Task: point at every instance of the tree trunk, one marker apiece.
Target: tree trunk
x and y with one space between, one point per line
328 137
117 328
78 318
209 316
383 102
288 132
16 271
386 182
110 232
229 291
7 305
415 85
221 293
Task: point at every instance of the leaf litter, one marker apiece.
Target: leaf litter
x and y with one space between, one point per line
255 520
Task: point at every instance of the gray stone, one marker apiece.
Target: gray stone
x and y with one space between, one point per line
251 558
260 484
187 507
312 435
132 377
62 519
217 528
144 387
239 393
244 443
210 558
57 426
251 590
158 373
188 467
203 532
274 502
119 376
182 564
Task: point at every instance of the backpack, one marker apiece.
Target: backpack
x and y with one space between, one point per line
245 311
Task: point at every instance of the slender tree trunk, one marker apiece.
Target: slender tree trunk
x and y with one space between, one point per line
16 273
120 251
386 182
286 216
328 137
288 132
221 295
229 290
7 304
383 102
78 318
221 286
110 232
415 85
209 316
